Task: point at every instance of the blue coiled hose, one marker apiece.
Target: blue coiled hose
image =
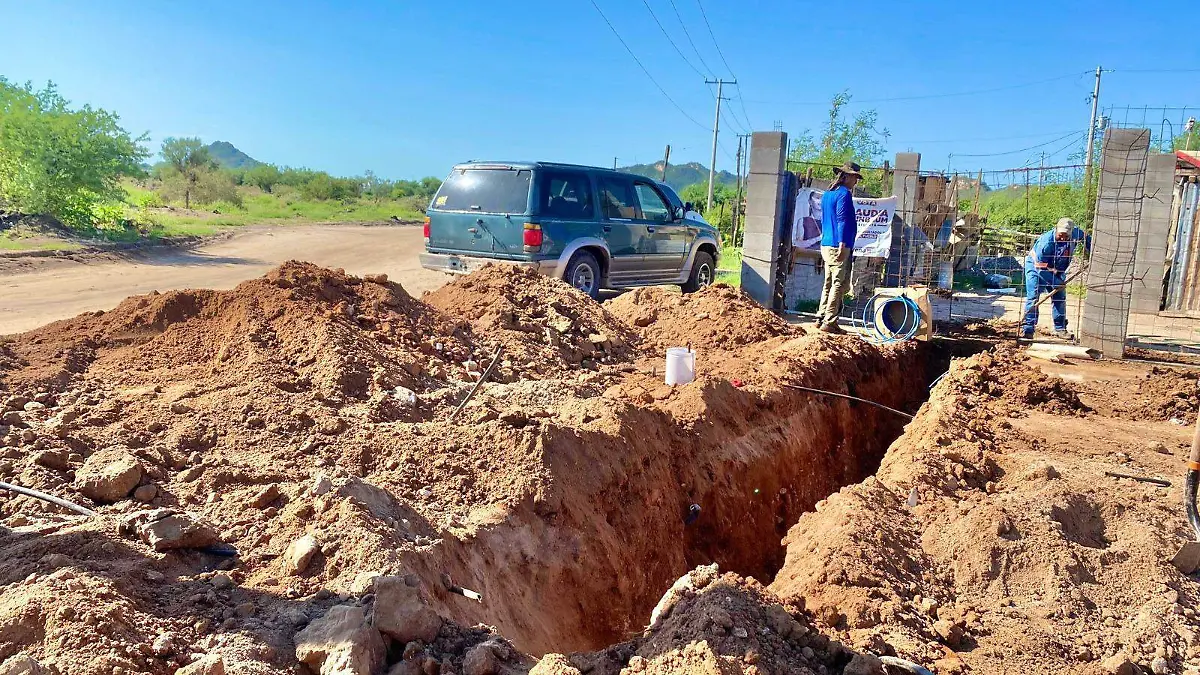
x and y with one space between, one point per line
898 331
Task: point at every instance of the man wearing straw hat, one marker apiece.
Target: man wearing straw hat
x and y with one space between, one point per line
839 228
1046 272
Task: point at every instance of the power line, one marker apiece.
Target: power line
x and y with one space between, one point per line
976 140
688 35
644 70
922 97
714 39
671 40
742 102
1015 152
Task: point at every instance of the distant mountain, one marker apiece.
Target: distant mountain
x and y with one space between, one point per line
680 176
229 157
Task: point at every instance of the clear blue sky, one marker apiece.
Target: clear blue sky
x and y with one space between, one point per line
407 88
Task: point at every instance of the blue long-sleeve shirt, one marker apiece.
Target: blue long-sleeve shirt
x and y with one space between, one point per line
1056 255
838 222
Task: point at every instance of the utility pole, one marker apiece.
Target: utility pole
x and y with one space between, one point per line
614 163
1091 137
666 161
737 202
1042 173
712 166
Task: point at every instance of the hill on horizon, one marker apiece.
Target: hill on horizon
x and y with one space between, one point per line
229 157
680 176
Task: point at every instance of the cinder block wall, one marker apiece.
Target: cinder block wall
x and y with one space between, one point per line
1152 235
764 203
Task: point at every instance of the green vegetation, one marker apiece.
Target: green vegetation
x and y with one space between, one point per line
58 160
81 167
1011 209
844 140
721 213
729 267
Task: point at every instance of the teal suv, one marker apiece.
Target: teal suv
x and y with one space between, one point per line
594 228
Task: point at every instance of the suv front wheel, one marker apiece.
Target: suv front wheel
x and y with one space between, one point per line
583 272
704 272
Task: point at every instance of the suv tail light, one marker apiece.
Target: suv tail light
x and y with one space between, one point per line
532 237
426 229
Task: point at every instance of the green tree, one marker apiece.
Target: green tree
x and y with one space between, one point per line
188 157
843 140
378 189
59 160
265 176
1188 140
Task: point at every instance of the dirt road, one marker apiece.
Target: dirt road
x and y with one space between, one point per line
36 291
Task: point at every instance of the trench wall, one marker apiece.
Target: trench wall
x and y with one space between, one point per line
581 565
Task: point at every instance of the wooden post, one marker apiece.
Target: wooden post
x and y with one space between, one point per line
885 185
666 161
978 194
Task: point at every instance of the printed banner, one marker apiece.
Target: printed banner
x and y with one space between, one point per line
874 224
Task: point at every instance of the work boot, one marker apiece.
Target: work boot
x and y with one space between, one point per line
1063 334
1026 335
832 328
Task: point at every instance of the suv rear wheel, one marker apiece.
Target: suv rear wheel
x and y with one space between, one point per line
704 272
583 272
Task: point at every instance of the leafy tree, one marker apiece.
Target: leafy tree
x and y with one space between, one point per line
265 176
1188 139
843 140
375 187
61 161
189 158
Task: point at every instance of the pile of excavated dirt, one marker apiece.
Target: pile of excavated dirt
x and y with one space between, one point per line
1004 374
717 317
1163 394
994 543
545 326
262 457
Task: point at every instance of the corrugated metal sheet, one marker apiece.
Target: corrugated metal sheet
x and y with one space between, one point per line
1183 291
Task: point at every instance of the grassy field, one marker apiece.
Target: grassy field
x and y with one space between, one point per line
729 268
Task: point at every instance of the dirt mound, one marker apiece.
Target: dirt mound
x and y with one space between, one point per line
1004 374
1164 394
545 326
717 317
300 328
714 623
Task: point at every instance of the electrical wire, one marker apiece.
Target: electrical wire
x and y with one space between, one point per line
714 38
1019 151
923 97
742 101
688 35
976 140
670 39
644 70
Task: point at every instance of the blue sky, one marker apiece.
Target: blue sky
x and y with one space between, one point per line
408 88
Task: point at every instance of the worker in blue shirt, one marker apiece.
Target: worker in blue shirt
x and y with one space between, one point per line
839 228
1046 272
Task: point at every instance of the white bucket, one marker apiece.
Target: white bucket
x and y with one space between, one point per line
681 365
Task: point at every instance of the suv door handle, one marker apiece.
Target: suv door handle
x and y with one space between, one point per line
649 229
608 228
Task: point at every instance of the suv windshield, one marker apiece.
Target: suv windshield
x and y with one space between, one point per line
490 190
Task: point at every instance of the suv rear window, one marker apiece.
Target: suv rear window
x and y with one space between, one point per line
485 191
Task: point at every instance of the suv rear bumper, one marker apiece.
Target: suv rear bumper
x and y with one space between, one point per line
465 264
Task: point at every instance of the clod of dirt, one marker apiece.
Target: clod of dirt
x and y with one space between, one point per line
1002 373
1164 394
545 326
717 317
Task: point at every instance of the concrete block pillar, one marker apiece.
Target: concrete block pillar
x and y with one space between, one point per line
905 186
1119 203
764 209
1153 234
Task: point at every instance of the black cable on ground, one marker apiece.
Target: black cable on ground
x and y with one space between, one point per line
850 398
46 498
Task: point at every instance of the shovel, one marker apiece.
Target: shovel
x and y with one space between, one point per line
1187 560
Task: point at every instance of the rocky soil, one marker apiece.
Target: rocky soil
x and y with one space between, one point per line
284 481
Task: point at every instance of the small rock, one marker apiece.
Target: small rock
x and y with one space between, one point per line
322 486
929 606
299 554
146 493
12 418
1160 447
1118 664
741 633
57 459
808 653
244 610
21 665
266 495
221 582
1160 666
341 643
191 473
864 664
376 278
56 560
481 660
34 406
180 408
402 612
164 645
950 633
108 475
164 530
558 664
210 664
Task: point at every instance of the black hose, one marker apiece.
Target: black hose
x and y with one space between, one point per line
28 492
849 398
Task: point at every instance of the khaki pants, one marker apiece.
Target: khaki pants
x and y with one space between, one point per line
837 275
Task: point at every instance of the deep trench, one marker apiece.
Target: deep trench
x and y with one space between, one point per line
582 568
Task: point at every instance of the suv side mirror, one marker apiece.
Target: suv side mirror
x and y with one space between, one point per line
687 206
